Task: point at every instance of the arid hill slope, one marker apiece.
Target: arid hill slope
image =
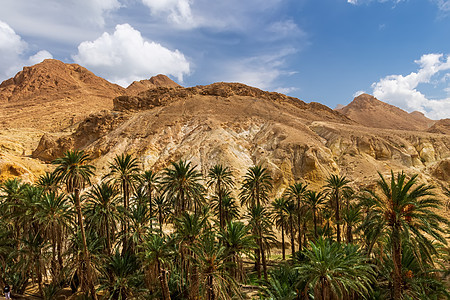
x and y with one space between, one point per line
241 126
227 123
371 112
53 95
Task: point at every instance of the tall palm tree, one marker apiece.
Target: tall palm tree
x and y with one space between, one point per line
101 212
230 209
221 179
124 170
182 184
73 169
280 217
238 241
290 209
314 201
158 250
54 215
332 270
150 181
189 229
259 220
256 186
211 260
297 192
335 187
352 216
163 210
405 208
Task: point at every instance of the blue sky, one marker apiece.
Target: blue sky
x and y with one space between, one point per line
326 51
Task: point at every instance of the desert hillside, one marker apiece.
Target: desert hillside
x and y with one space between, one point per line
371 112
159 121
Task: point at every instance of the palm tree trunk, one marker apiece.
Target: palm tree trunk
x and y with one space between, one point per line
397 257
164 284
315 223
263 257
299 223
292 235
283 249
125 222
338 220
85 250
150 206
349 233
194 283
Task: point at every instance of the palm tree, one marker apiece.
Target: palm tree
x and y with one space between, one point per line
48 182
221 179
230 209
314 201
101 211
352 216
404 210
280 217
335 187
162 209
211 260
124 171
189 229
54 215
121 276
238 241
150 181
73 169
259 220
158 250
256 186
297 192
332 270
181 184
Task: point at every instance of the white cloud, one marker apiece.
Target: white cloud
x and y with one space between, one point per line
357 93
223 15
13 52
177 11
62 21
39 57
259 71
402 90
126 56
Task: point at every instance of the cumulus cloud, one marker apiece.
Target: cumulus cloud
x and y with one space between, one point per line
125 56
13 52
402 90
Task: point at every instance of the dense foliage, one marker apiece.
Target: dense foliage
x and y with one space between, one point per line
181 234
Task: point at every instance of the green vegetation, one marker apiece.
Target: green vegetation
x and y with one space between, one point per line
181 234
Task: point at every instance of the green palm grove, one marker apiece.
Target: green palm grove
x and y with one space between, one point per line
179 234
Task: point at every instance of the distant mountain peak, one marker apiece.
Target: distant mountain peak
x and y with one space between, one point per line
369 111
159 80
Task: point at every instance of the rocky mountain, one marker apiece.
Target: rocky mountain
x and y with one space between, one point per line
371 112
236 125
441 126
